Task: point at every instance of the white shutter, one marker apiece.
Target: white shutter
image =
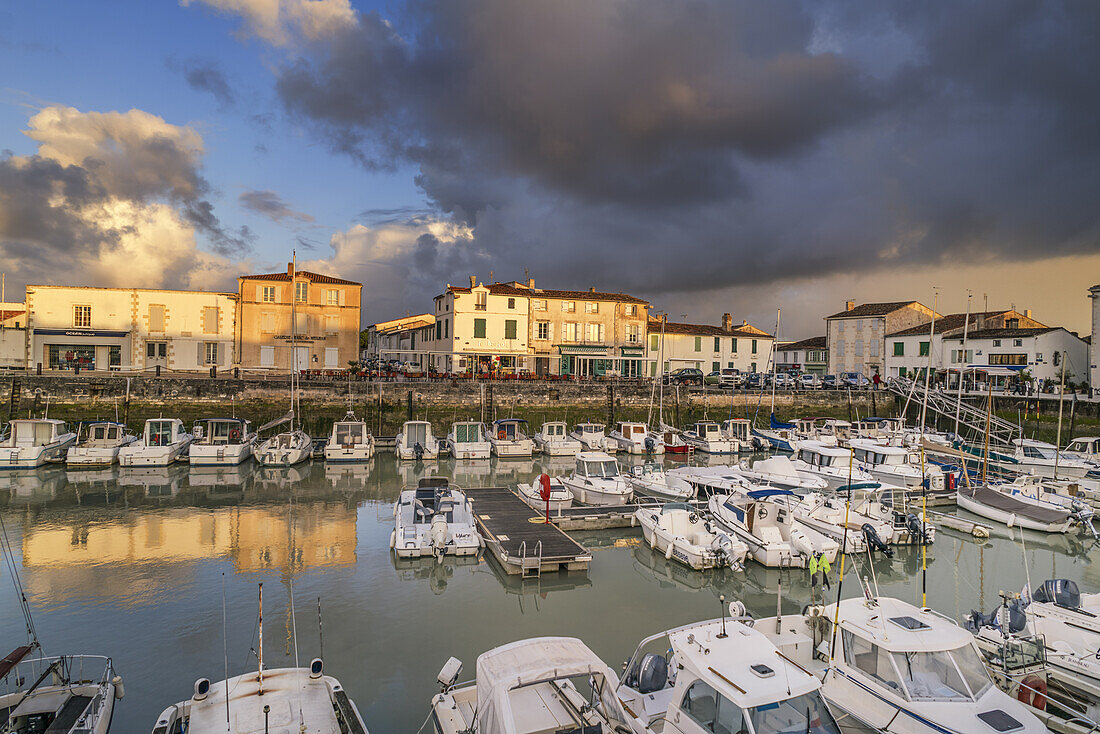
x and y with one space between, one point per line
340 298
223 354
267 356
260 293
201 359
332 354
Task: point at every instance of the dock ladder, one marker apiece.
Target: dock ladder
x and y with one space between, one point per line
15 398
530 565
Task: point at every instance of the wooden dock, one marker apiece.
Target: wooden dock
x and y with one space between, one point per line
520 543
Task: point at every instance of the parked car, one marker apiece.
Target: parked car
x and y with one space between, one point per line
756 381
808 381
829 382
713 378
685 376
731 377
854 380
783 380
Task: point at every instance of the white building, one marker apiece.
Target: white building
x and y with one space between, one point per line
1037 350
13 335
709 348
409 340
1094 347
856 336
808 355
128 328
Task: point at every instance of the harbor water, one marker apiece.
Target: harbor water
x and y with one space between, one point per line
144 566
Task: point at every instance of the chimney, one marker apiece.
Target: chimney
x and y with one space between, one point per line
290 269
473 280
591 289
531 283
727 322
849 305
1027 313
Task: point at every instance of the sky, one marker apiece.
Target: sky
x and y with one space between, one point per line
729 156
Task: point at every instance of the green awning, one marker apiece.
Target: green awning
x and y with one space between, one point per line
582 350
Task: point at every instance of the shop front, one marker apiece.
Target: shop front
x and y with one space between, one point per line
632 361
585 360
84 349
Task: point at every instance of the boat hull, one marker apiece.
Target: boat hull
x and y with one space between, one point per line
31 457
141 455
230 455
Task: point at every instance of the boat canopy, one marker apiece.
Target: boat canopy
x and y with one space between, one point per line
777 423
758 494
538 660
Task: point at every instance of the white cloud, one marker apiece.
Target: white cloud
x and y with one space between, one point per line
280 22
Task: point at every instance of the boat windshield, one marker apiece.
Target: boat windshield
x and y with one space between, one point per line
955 675
798 715
349 433
467 433
160 433
1038 452
605 469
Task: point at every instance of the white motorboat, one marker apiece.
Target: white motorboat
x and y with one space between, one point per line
831 463
1084 448
1000 507
222 442
778 435
553 439
738 430
1062 494
780 471
1041 458
879 503
349 442
466 441
508 439
593 438
1061 613
285 449
762 519
680 532
706 437
894 464
636 438
651 480
899 669
708 480
532 493
65 694
673 439
163 442
596 480
830 516
98 444
279 700
416 441
434 519
721 676
33 442
544 685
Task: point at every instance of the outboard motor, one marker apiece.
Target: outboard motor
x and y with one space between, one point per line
874 542
976 620
650 444
1082 513
439 535
418 451
916 528
1062 592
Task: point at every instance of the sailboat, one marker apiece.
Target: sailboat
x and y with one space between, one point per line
295 445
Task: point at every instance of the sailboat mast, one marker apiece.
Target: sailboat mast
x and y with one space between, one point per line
988 420
928 368
774 340
1061 398
661 359
963 362
293 329
260 655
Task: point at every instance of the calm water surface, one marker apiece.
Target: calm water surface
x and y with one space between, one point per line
132 564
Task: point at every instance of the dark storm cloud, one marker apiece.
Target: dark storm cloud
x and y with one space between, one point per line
269 204
207 76
670 146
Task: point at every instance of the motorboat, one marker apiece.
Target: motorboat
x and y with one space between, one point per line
596 480
1058 493
544 685
880 503
531 493
636 438
778 435
98 444
415 441
762 519
553 439
1043 459
285 449
831 463
434 519
683 534
832 517
722 675
163 442
894 464
1084 448
708 480
275 700
64 694
898 668
1062 614
593 438
350 441
508 438
222 442
33 442
706 437
738 430
466 440
780 471
988 502
651 480
673 439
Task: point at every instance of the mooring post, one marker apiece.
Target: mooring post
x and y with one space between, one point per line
409 406
610 405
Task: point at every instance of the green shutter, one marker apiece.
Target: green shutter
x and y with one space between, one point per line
698 343
715 366
733 345
479 328
899 349
653 345
510 329
754 346
924 349
717 345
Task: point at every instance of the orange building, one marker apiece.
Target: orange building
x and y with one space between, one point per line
325 311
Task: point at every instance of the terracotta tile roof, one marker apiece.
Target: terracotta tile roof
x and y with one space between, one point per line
515 289
871 309
672 327
814 342
954 322
313 277
1005 333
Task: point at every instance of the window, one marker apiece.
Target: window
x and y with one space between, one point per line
899 349
446 328
267 356
874 347
840 349
698 343
210 320
715 366
480 299
569 306
156 317
542 330
301 291
593 332
332 324
1017 342
156 350
633 333
924 348
591 307
1038 356
538 304
332 297
268 295
479 328
1008 359
653 343
714 712
996 342
871 660
267 323
859 324
510 329
569 331
332 355
630 310
511 303
717 345
211 352
754 346
438 330
859 347
733 345
82 317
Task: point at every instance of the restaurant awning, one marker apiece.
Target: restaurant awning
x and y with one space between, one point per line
978 369
582 350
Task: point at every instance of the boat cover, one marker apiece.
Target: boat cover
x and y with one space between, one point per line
533 661
1002 501
778 424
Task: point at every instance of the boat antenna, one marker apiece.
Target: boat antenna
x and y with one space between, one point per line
963 362
722 600
260 654
779 607
1061 399
225 653
320 628
24 605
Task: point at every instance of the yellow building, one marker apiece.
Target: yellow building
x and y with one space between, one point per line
325 310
